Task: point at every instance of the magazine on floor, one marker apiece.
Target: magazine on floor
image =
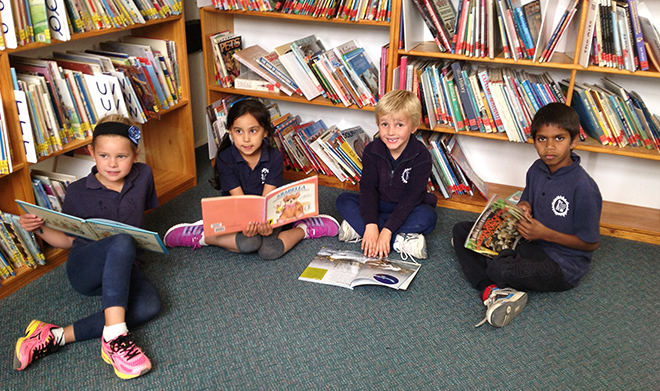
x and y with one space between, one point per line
495 229
349 269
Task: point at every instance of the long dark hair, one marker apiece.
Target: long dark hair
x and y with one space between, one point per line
246 106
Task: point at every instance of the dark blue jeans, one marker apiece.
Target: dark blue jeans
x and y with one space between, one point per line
527 268
421 220
106 268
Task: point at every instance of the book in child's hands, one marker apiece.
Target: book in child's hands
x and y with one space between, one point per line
286 204
495 229
94 229
349 269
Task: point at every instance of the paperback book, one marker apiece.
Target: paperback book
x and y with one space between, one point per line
495 229
286 204
94 229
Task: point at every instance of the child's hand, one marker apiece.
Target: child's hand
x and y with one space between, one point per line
531 229
384 240
264 229
252 229
30 222
526 208
370 240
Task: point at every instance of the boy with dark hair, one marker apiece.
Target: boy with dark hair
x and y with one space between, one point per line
562 206
393 209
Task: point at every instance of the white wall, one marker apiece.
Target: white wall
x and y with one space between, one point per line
621 179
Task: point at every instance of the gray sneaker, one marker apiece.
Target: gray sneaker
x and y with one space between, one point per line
503 305
410 246
348 234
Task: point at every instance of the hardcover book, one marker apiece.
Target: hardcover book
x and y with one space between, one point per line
348 269
94 229
284 205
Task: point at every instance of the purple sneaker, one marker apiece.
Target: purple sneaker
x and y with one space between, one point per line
185 235
318 226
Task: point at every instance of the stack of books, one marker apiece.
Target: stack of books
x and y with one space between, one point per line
61 99
18 248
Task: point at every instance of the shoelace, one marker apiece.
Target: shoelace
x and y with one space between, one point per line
124 343
406 251
49 346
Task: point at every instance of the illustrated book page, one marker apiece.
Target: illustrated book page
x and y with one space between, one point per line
495 229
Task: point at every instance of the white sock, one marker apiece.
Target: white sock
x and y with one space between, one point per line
114 331
58 333
304 228
202 241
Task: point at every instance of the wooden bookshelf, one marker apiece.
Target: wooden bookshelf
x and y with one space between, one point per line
625 221
168 142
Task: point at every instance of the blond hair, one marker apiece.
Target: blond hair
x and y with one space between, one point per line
400 101
115 118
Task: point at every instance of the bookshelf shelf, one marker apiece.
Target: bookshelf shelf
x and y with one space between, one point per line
167 146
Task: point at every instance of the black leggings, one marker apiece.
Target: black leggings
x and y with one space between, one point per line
527 268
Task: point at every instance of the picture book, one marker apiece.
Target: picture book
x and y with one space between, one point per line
495 229
94 229
284 205
348 269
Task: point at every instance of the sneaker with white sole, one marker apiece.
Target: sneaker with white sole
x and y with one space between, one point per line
411 246
348 234
185 235
318 226
503 304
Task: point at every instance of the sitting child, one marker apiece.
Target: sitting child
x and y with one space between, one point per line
251 166
393 209
561 205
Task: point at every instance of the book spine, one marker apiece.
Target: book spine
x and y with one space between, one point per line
637 32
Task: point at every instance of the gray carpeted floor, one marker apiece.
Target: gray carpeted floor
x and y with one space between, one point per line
238 323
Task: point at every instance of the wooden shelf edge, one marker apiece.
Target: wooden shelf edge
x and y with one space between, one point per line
26 275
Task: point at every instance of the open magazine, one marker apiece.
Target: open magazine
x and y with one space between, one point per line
94 229
495 229
284 205
349 269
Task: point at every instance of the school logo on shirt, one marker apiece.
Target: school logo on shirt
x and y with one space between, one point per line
405 174
560 206
264 175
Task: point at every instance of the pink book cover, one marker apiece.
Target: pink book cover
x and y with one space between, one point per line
286 204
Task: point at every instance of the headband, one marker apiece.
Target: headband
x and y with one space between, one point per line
130 132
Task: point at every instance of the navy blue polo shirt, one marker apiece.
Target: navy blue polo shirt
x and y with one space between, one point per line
402 181
88 198
567 201
234 171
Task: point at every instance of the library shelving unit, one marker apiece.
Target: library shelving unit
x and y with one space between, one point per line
168 143
620 220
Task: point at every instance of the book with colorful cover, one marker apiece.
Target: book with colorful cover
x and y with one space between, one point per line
94 229
284 205
348 269
496 228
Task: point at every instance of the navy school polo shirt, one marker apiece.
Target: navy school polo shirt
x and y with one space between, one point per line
234 171
88 198
567 201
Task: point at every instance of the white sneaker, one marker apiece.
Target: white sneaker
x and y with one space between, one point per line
348 234
410 245
503 305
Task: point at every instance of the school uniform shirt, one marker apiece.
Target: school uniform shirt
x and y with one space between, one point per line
87 198
234 171
567 201
402 181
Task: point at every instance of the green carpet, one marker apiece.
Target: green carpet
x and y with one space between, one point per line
235 322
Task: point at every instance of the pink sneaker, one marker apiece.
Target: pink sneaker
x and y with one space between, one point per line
127 359
38 342
185 235
318 226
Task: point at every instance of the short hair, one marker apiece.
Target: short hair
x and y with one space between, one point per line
400 101
557 114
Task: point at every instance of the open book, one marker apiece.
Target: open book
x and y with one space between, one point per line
94 229
349 269
495 229
284 205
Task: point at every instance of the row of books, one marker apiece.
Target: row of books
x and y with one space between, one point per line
18 248
30 21
621 35
61 99
483 99
224 44
344 74
354 10
6 165
615 116
451 172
